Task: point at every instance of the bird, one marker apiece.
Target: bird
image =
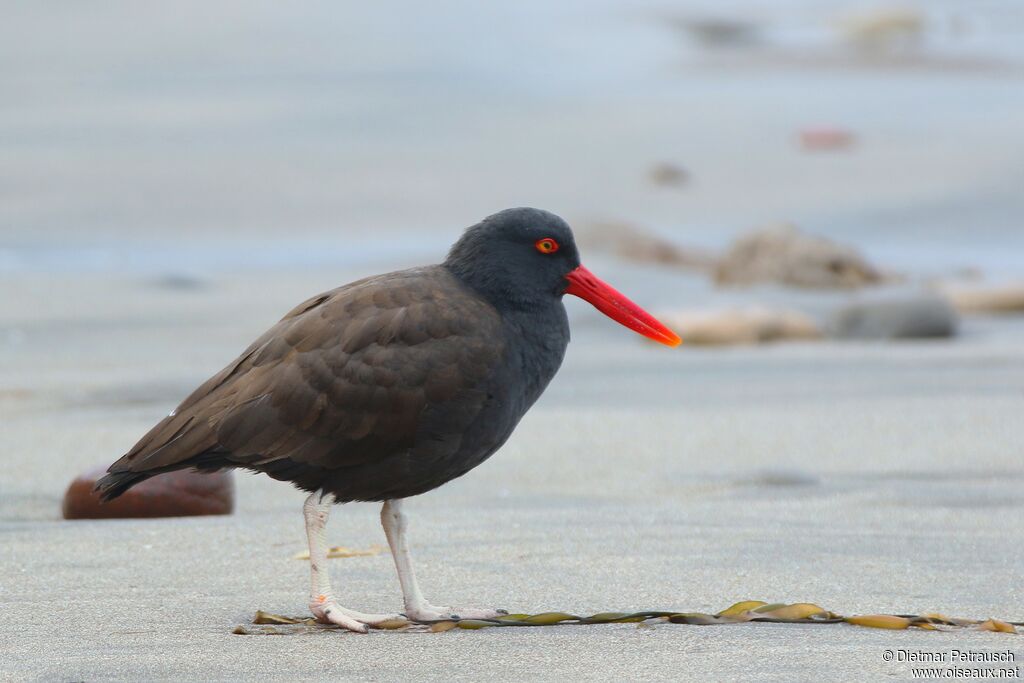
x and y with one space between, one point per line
389 387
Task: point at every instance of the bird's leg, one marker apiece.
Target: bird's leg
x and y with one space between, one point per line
416 608
321 598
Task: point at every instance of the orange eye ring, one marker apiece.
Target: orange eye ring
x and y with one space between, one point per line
546 245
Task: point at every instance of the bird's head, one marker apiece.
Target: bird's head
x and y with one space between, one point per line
526 258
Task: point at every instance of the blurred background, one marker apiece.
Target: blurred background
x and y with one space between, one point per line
175 177
194 137
824 197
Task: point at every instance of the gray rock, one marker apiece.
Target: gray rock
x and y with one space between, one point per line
908 316
179 281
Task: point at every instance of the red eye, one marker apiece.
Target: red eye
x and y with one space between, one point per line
546 245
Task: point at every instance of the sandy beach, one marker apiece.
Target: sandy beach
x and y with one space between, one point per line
159 213
863 477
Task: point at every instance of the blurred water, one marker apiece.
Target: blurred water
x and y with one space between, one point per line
203 135
187 259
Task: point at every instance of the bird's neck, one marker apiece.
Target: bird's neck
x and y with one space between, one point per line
492 286
542 336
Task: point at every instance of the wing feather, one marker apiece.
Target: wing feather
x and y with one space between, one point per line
345 378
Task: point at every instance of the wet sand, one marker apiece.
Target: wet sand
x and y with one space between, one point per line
863 477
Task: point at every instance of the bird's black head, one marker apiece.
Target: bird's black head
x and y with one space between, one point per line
527 259
516 257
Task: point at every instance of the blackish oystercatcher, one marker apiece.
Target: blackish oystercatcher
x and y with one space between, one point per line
391 386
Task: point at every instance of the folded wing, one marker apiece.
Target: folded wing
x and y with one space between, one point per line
345 378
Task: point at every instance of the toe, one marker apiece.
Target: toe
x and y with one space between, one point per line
333 614
349 623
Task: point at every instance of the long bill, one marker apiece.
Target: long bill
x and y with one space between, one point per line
615 305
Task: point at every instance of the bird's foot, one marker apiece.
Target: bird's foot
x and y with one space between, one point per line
327 611
428 612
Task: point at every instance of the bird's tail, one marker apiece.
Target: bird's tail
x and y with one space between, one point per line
113 484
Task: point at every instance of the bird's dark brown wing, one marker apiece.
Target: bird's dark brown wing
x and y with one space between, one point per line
341 380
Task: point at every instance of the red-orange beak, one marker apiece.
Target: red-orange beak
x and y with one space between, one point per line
612 303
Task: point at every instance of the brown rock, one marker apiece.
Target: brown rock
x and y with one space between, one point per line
173 494
634 244
826 139
741 326
785 255
883 30
1007 298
